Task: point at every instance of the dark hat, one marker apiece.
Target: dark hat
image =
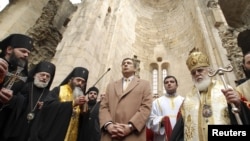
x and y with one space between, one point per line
243 41
77 72
16 41
43 66
93 89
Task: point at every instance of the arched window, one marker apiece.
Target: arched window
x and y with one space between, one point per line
164 74
164 71
155 81
159 71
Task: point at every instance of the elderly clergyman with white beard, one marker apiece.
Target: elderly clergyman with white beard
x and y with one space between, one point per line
36 89
207 103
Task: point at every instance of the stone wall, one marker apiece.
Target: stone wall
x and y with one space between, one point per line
99 34
102 33
48 29
238 19
42 20
236 12
20 16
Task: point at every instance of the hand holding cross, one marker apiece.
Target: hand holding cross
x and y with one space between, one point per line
221 71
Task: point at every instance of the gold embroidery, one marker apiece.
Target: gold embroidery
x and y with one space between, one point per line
66 94
189 129
172 102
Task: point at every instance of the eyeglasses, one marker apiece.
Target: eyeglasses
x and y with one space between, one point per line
199 70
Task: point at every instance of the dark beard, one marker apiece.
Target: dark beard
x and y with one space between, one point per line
92 102
14 61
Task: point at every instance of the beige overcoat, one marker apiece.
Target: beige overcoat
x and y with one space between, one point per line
133 105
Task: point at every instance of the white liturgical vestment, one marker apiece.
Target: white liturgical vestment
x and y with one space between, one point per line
161 107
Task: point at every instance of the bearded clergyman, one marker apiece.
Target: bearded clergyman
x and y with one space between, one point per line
208 103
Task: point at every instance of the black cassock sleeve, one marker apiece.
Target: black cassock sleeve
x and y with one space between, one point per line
178 131
54 118
244 114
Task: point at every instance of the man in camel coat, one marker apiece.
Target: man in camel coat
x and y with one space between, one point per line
126 106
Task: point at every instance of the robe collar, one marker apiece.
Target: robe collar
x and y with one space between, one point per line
170 95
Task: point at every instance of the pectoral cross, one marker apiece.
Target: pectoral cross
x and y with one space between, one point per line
12 80
14 77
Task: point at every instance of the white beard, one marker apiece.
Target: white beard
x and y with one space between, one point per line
203 84
77 92
40 84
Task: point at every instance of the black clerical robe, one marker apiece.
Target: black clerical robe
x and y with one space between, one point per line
24 127
11 111
89 127
54 118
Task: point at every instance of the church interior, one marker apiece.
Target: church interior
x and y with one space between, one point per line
158 34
